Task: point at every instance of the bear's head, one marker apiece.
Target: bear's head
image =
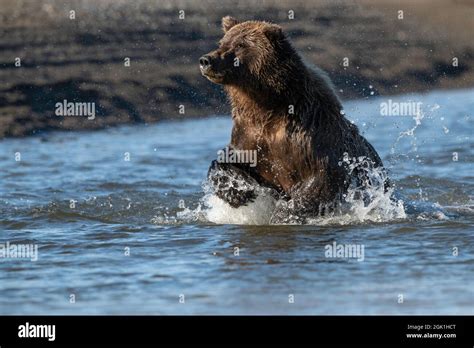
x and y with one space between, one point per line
251 54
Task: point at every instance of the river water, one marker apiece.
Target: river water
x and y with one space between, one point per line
140 236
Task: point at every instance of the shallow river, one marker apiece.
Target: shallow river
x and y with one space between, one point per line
136 236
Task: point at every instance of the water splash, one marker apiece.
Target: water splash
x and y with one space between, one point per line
258 212
410 132
370 202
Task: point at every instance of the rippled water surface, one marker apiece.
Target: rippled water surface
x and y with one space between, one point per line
138 235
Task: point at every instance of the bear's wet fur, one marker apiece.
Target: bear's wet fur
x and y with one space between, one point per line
290 114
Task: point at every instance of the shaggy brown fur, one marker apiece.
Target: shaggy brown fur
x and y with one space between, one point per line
286 111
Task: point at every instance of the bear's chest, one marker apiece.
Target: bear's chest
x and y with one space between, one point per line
279 159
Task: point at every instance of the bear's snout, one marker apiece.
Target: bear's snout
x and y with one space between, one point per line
205 62
206 65
211 67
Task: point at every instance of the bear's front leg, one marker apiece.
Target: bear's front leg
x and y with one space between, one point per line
312 198
232 184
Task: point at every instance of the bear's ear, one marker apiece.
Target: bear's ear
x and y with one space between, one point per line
228 22
274 32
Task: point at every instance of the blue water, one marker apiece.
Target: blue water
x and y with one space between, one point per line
175 250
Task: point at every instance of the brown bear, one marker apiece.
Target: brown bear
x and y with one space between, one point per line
289 113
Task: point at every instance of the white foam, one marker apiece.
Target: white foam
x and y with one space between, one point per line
258 212
381 209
